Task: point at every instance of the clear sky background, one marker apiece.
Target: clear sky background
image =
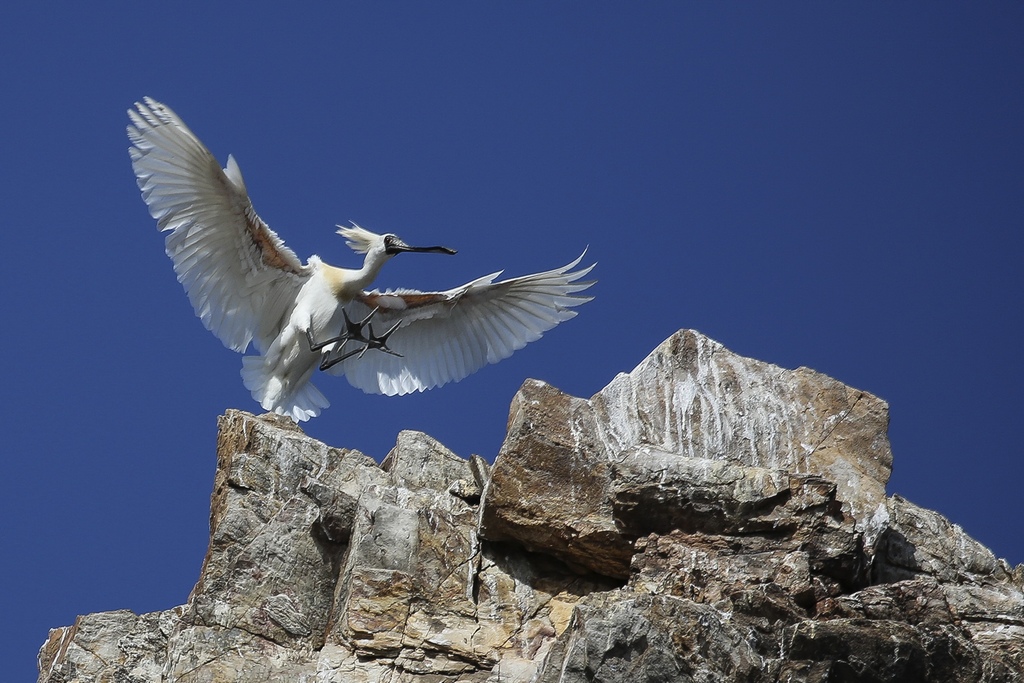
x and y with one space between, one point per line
839 186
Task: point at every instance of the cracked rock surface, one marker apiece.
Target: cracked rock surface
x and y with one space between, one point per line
706 517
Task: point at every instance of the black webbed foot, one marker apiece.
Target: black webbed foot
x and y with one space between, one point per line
381 343
353 332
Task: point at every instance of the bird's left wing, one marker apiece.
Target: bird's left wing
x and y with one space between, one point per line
444 336
239 275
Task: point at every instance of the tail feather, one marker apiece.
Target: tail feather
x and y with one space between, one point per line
300 401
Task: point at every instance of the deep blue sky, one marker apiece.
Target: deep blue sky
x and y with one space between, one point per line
833 185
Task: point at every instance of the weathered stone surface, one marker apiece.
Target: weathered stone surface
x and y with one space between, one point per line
115 645
692 415
704 518
982 592
694 397
272 564
620 636
550 487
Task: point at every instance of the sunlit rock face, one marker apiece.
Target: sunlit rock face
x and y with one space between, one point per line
692 421
705 517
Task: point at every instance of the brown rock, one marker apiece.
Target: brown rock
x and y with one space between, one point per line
692 423
704 518
693 397
550 488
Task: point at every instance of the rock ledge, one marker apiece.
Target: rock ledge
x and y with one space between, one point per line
706 517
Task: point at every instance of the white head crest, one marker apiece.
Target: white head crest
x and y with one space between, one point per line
358 239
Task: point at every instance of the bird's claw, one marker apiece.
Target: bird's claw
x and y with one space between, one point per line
352 332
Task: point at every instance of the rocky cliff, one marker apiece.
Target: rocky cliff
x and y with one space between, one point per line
706 517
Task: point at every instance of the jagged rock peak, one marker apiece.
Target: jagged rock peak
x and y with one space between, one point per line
705 517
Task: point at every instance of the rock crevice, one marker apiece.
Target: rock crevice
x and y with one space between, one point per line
705 517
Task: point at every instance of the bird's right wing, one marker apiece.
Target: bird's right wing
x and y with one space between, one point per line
239 275
444 336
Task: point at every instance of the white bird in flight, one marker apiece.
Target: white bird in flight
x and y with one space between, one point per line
247 286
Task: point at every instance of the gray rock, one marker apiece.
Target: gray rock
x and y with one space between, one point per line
704 518
982 592
419 461
109 646
274 547
620 636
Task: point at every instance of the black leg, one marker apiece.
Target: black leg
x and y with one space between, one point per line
316 346
329 362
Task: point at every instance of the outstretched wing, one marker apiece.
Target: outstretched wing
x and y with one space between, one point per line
445 336
238 274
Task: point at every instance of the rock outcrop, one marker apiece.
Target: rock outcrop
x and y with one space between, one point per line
706 517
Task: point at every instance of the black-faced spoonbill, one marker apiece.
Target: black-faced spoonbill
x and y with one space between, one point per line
247 286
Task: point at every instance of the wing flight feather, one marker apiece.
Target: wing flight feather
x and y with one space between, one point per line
445 336
238 274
